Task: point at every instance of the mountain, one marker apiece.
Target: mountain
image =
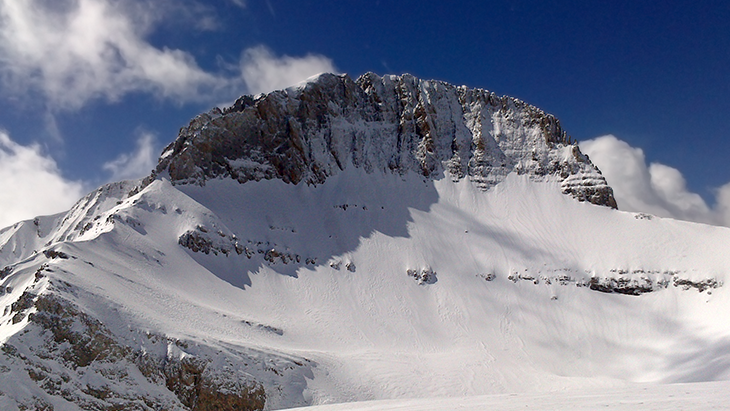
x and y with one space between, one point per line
348 240
381 124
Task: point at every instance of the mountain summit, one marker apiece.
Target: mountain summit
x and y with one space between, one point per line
346 240
395 124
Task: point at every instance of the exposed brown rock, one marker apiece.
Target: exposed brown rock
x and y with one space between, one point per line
395 124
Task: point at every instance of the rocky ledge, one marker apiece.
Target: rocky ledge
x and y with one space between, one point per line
394 124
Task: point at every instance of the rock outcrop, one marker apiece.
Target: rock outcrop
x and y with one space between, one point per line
76 361
396 124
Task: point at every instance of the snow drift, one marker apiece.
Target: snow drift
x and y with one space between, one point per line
313 246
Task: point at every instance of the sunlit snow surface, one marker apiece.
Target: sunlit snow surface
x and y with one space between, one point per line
686 397
493 316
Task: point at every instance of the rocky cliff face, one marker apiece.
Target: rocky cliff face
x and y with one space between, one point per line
392 124
141 296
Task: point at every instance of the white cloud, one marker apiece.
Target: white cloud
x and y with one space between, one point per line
262 71
723 204
31 183
137 164
77 50
655 188
672 188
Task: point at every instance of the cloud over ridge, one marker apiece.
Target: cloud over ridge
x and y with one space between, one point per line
137 164
64 55
76 51
654 188
262 71
31 183
70 53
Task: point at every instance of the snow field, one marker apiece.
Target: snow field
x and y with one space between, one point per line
504 306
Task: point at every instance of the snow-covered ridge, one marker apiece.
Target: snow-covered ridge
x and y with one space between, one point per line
278 295
462 270
395 124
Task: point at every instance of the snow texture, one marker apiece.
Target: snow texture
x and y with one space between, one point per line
360 283
395 124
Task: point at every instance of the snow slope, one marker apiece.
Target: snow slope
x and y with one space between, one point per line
345 241
374 286
687 397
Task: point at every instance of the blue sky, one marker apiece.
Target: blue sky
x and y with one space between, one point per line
93 89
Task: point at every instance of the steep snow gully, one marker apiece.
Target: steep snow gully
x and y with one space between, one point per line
385 238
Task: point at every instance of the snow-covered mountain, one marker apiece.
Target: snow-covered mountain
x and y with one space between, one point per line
346 240
385 124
